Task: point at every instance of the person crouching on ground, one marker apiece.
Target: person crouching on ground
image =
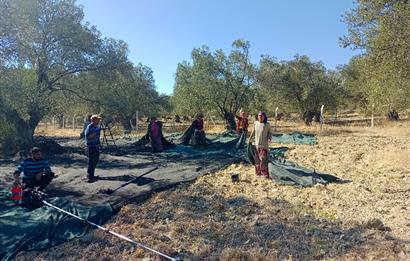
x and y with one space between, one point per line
92 139
37 171
199 132
155 134
263 134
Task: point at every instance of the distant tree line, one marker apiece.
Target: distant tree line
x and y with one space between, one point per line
377 79
223 84
52 63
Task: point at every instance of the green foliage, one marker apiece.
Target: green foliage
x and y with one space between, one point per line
214 82
381 29
299 84
219 84
6 131
44 44
123 92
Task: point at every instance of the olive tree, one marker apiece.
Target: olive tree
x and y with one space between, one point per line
215 82
42 44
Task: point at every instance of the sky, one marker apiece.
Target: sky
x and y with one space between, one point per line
162 33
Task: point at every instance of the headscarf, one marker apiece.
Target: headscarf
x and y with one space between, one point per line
265 118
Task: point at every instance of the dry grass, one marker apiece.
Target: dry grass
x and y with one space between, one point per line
215 219
117 131
50 131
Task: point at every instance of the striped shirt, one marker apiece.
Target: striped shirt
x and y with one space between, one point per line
95 141
31 167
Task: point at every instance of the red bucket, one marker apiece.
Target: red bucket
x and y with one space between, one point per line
16 193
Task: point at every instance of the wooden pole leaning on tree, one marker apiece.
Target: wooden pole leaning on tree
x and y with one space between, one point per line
136 122
74 122
321 119
276 118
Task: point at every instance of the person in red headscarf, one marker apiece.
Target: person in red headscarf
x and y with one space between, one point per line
242 123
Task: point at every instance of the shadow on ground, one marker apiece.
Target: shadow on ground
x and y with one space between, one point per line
198 223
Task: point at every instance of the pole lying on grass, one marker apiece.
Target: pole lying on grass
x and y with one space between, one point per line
109 231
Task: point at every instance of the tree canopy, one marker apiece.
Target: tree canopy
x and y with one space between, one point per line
45 49
381 29
124 92
299 84
52 62
215 82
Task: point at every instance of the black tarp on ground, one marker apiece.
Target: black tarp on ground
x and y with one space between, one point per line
145 140
295 137
228 140
289 173
225 140
44 227
178 164
187 135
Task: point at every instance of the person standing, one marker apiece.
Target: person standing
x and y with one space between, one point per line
37 171
242 128
199 132
242 124
92 139
155 135
263 134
